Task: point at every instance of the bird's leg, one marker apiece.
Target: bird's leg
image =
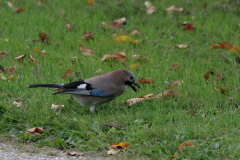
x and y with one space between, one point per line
93 109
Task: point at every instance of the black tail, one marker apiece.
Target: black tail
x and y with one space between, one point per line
46 85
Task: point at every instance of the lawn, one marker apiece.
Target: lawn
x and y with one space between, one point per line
206 112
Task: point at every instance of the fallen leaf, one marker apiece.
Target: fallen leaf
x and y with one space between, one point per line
235 49
32 59
56 108
2 76
36 50
175 155
8 69
115 148
219 78
123 38
114 56
17 102
43 52
35 130
150 8
133 66
123 52
12 77
182 146
217 108
224 91
117 25
85 51
18 10
6 40
67 26
67 74
44 37
175 66
181 46
206 76
168 94
3 54
10 4
121 20
133 101
136 31
124 144
19 58
90 2
182 24
174 8
88 35
149 96
189 27
224 45
148 81
139 57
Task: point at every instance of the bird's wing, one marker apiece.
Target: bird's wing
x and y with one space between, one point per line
83 88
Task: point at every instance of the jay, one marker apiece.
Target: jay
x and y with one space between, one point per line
97 90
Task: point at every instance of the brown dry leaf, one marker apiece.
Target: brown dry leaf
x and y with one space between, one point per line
148 81
19 58
101 71
123 52
12 77
67 74
150 7
224 45
74 154
36 50
182 24
189 27
32 59
2 76
133 66
67 26
35 130
115 148
56 107
90 2
124 144
10 4
8 69
44 37
174 8
88 35
136 31
175 66
18 102
139 57
43 52
114 56
206 76
235 49
3 54
149 96
219 78
18 10
182 146
202 5
181 46
224 91
121 20
117 25
168 94
133 101
175 155
6 40
85 51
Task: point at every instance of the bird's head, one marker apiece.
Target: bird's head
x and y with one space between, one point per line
130 80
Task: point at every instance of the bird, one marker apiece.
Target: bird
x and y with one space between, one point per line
96 90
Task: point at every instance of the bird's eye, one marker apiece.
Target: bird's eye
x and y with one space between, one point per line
131 77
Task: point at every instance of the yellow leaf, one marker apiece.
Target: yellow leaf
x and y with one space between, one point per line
133 66
12 77
90 2
3 77
123 38
235 49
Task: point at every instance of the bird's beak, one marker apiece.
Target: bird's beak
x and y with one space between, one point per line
133 87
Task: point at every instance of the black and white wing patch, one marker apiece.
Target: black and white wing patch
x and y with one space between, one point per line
81 88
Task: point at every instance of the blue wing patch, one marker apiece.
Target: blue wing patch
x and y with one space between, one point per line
98 93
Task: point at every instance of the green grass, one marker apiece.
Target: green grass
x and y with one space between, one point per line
154 128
